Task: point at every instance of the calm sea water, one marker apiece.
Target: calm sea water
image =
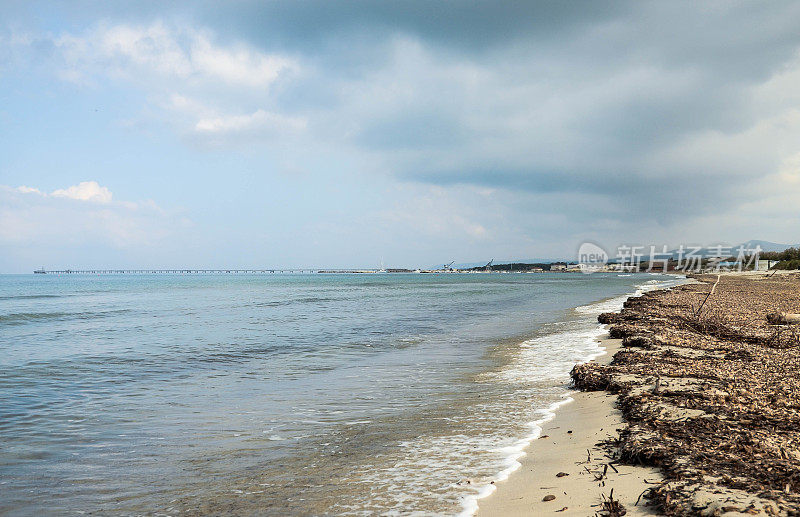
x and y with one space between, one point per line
283 394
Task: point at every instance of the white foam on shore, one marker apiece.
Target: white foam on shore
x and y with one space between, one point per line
550 357
515 452
615 304
544 359
479 448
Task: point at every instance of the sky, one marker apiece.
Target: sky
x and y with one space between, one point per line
408 133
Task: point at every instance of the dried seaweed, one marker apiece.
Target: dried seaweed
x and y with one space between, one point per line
711 392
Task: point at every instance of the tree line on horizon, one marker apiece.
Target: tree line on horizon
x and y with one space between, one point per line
787 259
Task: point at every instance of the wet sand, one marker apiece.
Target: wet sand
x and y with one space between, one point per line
572 444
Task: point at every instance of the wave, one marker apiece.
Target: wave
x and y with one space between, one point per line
307 299
516 451
21 318
31 296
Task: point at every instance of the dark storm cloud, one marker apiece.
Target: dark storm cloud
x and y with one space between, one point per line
467 25
603 93
303 23
645 199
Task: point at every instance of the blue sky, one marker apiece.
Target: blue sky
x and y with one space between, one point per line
337 134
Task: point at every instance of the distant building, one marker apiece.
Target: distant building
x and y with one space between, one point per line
558 267
764 265
624 268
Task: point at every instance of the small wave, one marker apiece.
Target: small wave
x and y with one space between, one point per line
276 303
304 300
20 318
546 358
315 299
469 503
31 296
652 285
550 357
597 308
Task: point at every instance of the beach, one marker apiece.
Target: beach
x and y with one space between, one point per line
708 390
571 462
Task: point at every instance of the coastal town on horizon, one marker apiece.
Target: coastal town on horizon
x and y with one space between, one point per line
752 255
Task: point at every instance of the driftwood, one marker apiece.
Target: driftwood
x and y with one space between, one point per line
783 318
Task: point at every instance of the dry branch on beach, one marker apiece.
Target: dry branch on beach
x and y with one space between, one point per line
710 388
783 318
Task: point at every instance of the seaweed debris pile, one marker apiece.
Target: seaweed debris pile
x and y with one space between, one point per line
709 382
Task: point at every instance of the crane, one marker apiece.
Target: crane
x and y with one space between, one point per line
488 266
449 267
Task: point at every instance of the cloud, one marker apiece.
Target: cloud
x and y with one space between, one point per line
658 128
199 85
81 214
85 191
29 190
90 191
588 119
156 50
257 121
434 212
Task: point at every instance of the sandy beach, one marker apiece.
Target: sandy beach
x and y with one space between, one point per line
696 406
573 444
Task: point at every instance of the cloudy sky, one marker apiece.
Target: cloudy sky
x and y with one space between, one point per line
319 133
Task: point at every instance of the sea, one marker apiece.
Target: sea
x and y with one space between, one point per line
284 394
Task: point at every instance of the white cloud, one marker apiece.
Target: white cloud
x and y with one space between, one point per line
187 54
238 65
85 191
28 190
203 87
31 217
90 191
257 120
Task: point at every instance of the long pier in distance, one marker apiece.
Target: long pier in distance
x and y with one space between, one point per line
167 271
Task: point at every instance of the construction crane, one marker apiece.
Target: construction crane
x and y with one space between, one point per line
449 267
488 266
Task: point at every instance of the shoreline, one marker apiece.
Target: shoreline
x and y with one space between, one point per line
706 379
567 440
544 455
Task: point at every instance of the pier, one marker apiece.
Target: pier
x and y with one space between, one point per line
168 271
